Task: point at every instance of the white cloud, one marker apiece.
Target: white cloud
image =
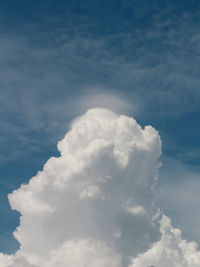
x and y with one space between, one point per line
5 260
77 200
136 210
84 253
171 250
84 208
90 191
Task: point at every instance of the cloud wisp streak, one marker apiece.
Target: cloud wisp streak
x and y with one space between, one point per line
155 66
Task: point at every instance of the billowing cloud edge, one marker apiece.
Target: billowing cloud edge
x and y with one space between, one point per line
94 205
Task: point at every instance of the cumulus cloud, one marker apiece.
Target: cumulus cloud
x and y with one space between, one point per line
94 205
171 250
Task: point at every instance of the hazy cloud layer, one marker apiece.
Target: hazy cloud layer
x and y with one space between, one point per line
94 205
155 67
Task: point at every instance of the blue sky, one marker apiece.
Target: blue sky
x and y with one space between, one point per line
59 58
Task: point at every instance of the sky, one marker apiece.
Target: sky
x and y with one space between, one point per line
59 59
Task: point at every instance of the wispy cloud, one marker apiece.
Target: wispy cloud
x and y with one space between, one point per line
155 68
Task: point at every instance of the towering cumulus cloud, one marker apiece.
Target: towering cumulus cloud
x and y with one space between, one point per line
93 206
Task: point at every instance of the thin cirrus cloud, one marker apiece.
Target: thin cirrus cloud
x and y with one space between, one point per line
156 67
94 204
